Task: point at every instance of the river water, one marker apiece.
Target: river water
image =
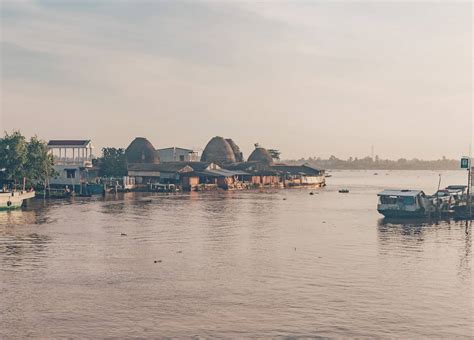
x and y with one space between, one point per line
237 264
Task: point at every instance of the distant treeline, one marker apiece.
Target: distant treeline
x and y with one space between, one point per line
368 163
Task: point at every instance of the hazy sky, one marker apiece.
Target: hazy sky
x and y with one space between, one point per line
308 78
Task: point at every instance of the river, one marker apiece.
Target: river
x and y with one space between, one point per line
274 263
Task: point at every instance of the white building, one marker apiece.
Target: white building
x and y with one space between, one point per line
72 161
175 154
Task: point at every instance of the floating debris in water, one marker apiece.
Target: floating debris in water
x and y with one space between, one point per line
344 191
311 193
123 234
284 199
157 261
179 251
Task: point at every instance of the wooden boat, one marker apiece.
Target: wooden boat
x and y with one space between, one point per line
404 203
461 212
14 199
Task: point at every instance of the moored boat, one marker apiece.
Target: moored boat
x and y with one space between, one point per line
14 199
404 203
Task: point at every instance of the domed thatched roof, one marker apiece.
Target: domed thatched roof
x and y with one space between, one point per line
218 151
260 155
141 151
239 156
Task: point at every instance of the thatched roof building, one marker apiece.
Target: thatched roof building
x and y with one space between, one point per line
239 156
261 155
141 151
218 151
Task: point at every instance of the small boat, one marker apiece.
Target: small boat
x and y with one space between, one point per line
14 199
404 203
462 212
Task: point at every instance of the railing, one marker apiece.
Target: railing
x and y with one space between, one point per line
70 161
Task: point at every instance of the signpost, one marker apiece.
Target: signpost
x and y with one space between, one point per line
465 163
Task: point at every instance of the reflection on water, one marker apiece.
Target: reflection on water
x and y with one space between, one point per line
235 264
18 250
412 233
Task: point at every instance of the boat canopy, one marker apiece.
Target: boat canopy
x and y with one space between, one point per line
401 193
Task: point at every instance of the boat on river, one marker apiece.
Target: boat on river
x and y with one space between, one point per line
405 203
14 199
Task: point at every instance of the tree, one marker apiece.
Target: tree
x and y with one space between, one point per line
113 162
39 163
22 159
13 155
274 153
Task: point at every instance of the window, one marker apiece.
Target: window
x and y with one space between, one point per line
388 199
181 158
406 200
70 173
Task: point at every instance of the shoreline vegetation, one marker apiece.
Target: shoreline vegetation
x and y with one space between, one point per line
20 158
24 162
369 163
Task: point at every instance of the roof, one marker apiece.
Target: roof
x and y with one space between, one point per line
244 166
403 193
217 173
456 187
176 148
143 167
218 151
239 156
170 166
69 142
141 150
260 155
297 169
253 168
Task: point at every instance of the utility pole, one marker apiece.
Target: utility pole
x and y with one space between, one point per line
469 184
466 164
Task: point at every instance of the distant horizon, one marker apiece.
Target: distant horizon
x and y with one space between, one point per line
326 155
98 150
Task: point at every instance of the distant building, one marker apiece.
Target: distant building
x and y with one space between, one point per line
239 156
175 154
219 151
141 150
71 152
72 162
261 155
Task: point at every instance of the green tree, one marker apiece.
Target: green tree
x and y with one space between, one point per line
274 153
113 162
39 162
21 159
13 155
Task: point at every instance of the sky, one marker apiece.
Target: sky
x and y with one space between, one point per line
310 78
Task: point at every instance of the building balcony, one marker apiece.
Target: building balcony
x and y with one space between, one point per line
78 162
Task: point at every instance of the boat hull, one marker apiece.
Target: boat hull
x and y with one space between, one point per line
14 200
402 213
463 213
